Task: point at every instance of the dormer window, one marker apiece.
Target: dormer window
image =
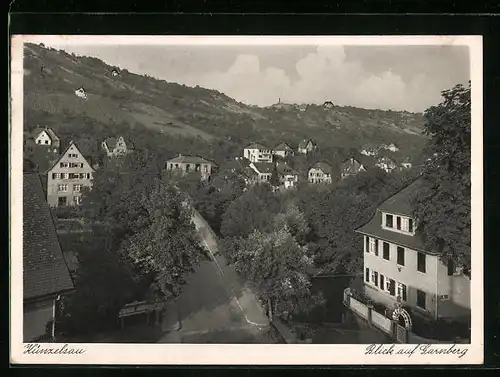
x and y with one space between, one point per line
389 221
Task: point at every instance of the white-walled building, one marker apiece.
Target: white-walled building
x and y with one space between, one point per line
257 152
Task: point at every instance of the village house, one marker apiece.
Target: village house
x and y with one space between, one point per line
283 150
115 72
406 164
66 179
116 146
398 268
386 164
328 105
287 176
391 147
307 146
45 274
257 152
321 172
80 92
351 167
191 164
264 170
46 137
370 150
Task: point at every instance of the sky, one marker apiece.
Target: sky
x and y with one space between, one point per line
384 77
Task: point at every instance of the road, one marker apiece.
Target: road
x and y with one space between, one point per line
215 306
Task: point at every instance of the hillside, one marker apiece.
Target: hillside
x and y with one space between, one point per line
131 101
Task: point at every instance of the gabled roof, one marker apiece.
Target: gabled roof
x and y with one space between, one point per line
44 269
285 169
304 143
249 172
49 131
323 166
264 167
190 159
400 203
351 165
66 151
110 142
256 146
283 147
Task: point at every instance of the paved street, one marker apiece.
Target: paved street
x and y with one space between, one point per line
215 306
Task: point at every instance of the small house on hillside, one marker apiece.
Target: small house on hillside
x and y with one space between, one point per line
117 146
191 164
386 164
45 274
351 167
328 105
287 176
283 150
406 164
115 72
391 147
321 172
257 152
46 137
264 171
307 146
370 150
80 92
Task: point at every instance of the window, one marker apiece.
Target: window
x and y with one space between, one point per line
46 141
421 262
375 278
64 175
398 223
187 167
388 221
367 275
382 286
372 245
376 247
402 291
451 267
62 201
78 200
38 141
63 165
386 251
421 299
392 287
62 188
206 168
77 188
410 225
56 175
82 175
367 244
401 256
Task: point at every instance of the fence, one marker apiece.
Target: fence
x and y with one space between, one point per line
387 325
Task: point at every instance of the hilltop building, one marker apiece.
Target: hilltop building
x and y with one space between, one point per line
264 171
191 164
257 152
328 105
351 167
307 146
45 274
80 92
391 147
70 173
283 150
321 172
287 176
116 146
115 72
46 137
399 269
386 164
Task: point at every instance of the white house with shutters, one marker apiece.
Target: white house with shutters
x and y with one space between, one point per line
67 177
398 268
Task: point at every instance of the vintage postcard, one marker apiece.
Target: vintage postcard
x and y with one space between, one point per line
246 200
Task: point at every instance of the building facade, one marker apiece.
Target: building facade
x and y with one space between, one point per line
257 152
320 173
264 171
287 176
307 146
191 164
67 177
283 150
45 274
386 164
351 167
398 268
46 137
114 147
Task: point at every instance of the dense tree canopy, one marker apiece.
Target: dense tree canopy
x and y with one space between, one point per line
443 207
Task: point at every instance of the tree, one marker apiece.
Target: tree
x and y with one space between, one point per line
442 207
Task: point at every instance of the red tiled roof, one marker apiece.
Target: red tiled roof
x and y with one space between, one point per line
44 268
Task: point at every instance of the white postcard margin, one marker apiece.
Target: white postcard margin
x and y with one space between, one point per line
239 354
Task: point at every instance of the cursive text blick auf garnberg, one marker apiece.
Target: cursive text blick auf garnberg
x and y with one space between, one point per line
38 349
410 350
